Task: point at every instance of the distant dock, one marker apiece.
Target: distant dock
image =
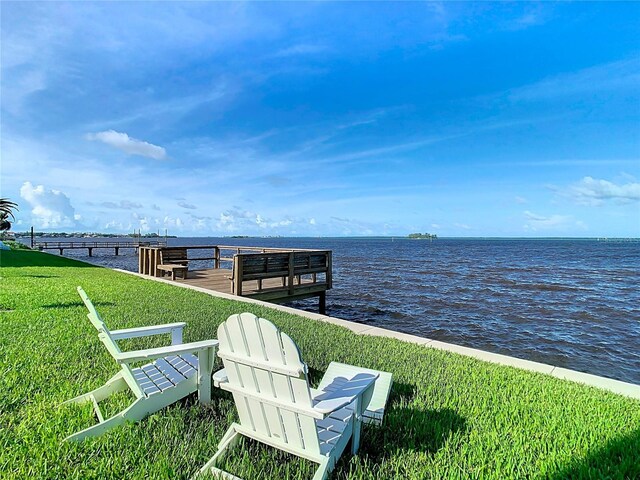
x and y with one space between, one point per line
91 245
269 274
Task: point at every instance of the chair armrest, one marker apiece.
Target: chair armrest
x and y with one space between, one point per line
349 390
220 377
153 353
146 331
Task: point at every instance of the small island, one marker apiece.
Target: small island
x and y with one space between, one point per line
423 236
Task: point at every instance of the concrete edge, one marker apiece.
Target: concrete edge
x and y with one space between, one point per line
615 386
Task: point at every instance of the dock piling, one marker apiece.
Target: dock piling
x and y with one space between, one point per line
322 303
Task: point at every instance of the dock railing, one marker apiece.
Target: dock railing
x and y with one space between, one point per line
61 246
301 273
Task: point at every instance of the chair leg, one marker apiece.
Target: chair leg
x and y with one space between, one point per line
115 384
323 469
96 430
133 413
228 440
357 426
205 369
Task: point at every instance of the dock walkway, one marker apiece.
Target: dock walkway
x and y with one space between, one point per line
269 274
218 280
92 244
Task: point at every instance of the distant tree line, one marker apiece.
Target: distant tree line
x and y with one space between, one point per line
91 234
427 236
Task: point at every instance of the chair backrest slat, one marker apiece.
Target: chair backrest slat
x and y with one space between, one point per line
94 316
265 362
104 334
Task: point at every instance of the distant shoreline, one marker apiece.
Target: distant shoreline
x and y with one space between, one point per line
375 237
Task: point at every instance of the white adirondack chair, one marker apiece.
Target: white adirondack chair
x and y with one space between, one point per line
175 372
268 380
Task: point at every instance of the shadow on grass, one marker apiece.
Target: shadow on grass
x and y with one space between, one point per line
31 258
413 430
405 427
618 459
41 276
77 304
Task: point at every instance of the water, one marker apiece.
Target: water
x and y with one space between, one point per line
569 303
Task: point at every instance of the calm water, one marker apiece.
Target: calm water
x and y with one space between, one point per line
570 303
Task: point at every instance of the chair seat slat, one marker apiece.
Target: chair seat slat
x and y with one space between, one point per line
168 374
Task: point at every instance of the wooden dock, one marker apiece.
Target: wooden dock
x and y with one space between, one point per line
269 274
91 245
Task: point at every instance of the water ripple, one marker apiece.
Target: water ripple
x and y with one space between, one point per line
570 303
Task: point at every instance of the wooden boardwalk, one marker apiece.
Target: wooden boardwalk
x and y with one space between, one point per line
219 280
91 244
269 274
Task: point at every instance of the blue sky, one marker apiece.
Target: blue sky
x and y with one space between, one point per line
460 119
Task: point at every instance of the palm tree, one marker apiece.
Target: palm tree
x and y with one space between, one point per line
5 224
7 207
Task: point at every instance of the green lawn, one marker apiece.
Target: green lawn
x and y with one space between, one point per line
449 416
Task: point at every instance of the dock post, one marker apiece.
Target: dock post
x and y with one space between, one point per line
237 275
90 251
117 249
140 260
322 303
291 275
61 251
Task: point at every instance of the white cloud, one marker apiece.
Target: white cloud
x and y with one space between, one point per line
174 222
129 145
237 219
186 205
144 224
520 200
623 74
50 208
591 191
557 223
118 226
530 18
300 49
122 205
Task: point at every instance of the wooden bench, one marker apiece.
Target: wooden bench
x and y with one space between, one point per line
288 266
174 261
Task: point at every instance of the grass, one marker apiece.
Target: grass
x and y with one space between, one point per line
449 416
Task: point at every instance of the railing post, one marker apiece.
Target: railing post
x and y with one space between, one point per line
140 262
322 303
329 274
216 257
153 270
147 261
237 274
291 272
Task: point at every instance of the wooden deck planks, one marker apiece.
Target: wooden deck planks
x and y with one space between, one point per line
218 280
272 275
